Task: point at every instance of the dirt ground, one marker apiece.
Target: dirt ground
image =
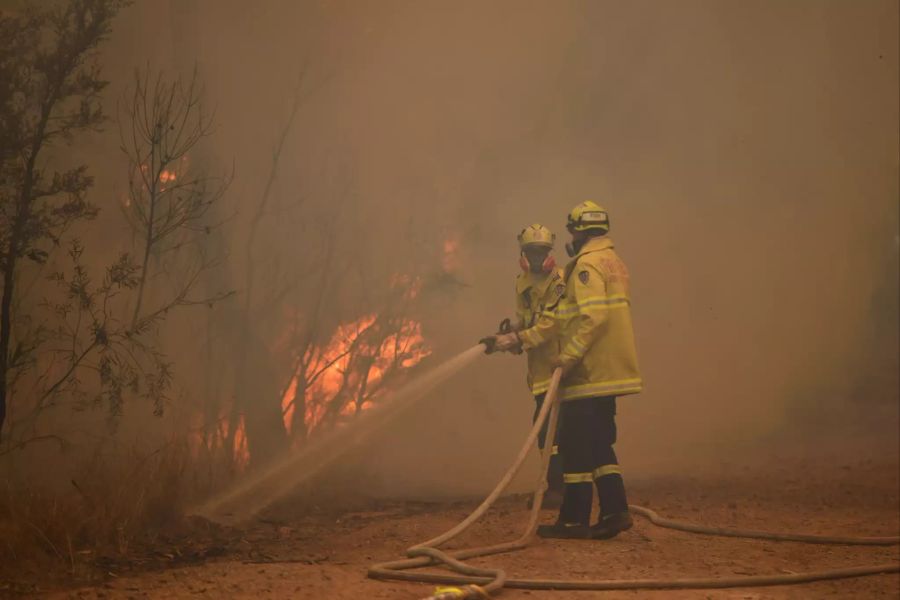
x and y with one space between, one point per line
323 552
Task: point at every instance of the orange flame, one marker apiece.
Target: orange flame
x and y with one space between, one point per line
211 440
167 175
345 374
241 453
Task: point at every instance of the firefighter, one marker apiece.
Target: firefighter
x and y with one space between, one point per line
538 287
592 325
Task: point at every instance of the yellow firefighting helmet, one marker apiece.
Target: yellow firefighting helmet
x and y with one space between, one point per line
588 215
536 235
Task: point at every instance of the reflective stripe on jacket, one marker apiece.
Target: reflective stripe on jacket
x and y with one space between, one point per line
535 293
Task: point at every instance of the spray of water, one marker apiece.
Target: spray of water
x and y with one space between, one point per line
269 484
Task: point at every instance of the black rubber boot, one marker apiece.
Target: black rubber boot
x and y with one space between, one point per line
553 500
574 514
612 525
611 494
555 475
565 531
576 504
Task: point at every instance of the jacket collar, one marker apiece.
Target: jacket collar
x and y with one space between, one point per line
527 280
594 244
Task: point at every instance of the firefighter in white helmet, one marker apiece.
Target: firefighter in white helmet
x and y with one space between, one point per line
539 286
592 324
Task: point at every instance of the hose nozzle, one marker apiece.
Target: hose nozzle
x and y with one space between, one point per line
489 344
467 592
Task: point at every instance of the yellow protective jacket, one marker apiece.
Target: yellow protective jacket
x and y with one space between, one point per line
592 325
535 293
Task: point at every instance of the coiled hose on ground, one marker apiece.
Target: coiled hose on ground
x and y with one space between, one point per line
481 582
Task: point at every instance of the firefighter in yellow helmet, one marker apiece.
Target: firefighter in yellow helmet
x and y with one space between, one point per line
538 287
592 325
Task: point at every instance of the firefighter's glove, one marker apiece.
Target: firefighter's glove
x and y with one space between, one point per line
505 342
507 326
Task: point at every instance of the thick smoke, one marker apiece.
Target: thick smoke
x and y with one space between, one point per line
747 154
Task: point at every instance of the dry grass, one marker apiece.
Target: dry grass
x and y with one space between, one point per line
109 516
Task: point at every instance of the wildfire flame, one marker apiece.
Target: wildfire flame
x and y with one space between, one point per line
167 176
240 452
350 369
215 439
331 382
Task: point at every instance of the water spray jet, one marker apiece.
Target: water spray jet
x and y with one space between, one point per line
263 487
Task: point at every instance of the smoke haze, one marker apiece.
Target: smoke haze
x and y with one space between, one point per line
747 154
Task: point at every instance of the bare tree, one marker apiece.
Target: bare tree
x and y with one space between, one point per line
261 418
167 196
50 88
339 370
382 348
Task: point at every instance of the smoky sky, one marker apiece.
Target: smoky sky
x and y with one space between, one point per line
747 154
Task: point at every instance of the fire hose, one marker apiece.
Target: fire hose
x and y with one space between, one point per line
470 582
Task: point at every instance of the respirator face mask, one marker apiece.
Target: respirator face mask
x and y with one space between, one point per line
536 259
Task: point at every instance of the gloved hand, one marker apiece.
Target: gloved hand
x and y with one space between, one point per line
504 342
506 326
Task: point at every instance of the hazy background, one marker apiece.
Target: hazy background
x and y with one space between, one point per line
747 153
